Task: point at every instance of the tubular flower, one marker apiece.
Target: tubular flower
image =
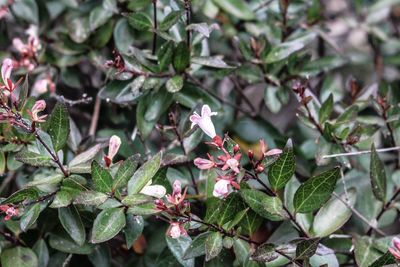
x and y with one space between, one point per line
177 197
39 106
6 69
113 147
204 121
231 162
221 188
395 248
204 164
10 211
176 230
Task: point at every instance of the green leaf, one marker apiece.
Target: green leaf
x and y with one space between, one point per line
26 10
72 223
19 256
125 171
197 247
378 176
98 17
364 252
144 209
33 158
29 217
334 214
108 224
181 59
48 180
101 256
140 21
165 54
59 126
238 8
236 220
265 253
136 199
133 229
144 174
266 206
90 198
384 260
174 84
21 195
312 194
63 242
170 20
212 62
213 245
123 36
306 248
283 168
102 179
326 109
178 246
42 252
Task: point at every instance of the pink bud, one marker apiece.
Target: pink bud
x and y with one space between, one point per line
273 152
203 164
39 106
115 143
6 69
176 230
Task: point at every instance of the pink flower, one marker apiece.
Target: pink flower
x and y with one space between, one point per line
395 248
20 46
221 188
6 69
231 162
273 152
204 164
41 86
204 121
39 106
113 147
176 230
10 211
177 197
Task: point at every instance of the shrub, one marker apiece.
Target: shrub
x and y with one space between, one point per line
199 133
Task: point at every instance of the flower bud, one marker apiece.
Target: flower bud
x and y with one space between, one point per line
236 149
114 144
203 164
250 153
39 106
259 168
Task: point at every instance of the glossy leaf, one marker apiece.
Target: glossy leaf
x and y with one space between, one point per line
378 176
197 247
213 245
312 194
133 229
108 224
30 216
237 8
306 248
264 205
33 158
283 168
72 223
140 21
181 59
178 246
19 256
125 171
102 179
170 20
59 126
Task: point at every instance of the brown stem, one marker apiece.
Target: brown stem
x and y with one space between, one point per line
54 155
188 19
155 26
95 117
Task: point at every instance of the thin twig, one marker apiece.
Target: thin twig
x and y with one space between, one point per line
357 153
84 100
238 88
95 117
188 19
155 26
358 214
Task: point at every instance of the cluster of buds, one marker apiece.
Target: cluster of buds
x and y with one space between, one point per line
28 50
395 248
266 157
113 147
9 210
299 87
117 62
176 206
229 162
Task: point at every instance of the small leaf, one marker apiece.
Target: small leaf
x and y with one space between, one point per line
170 20
144 174
108 224
140 21
312 194
197 247
63 242
49 180
59 126
265 253
21 195
181 59
133 229
264 205
72 223
306 248
102 179
174 84
364 251
29 217
164 55
283 168
144 209
19 256
33 158
334 214
136 199
213 62
326 109
42 252
90 198
125 171
378 176
385 260
213 245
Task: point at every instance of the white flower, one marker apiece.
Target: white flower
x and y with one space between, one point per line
176 230
233 164
40 87
221 188
204 121
157 191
